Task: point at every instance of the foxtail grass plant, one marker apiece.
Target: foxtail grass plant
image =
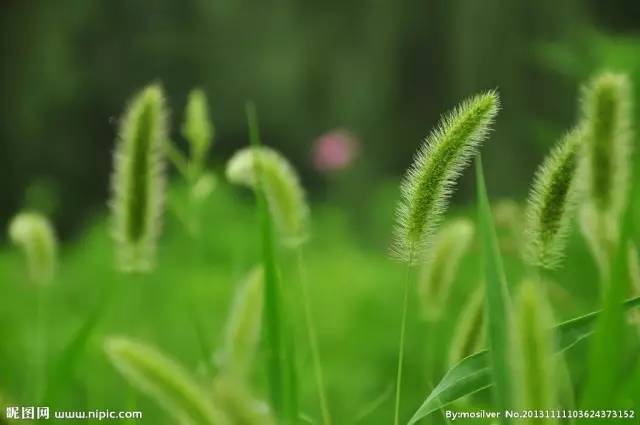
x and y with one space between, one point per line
427 186
34 235
164 381
287 205
532 353
440 267
278 335
138 180
198 130
431 178
231 384
606 118
283 191
552 202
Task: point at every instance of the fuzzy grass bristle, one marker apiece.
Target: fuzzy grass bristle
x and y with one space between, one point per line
162 379
284 193
431 178
35 236
552 202
138 181
606 112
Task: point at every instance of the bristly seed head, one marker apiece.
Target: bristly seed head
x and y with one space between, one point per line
441 265
606 112
33 233
138 181
552 202
283 191
430 179
197 128
164 380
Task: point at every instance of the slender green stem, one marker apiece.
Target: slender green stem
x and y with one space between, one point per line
313 339
403 326
178 159
39 350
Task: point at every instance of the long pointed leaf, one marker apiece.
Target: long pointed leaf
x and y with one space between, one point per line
472 374
497 297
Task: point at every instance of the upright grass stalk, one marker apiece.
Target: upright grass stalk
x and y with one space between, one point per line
496 298
401 344
427 185
608 345
279 346
286 200
138 181
552 202
35 236
312 339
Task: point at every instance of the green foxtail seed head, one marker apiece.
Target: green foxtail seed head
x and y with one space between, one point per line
469 334
430 179
599 231
163 380
439 269
138 181
197 128
239 404
606 115
552 202
532 351
33 233
283 191
243 327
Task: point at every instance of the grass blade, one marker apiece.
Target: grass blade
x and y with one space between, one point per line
279 348
472 374
497 298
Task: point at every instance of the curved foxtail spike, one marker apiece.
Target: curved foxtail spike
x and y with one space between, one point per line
283 190
532 352
439 269
138 181
431 177
606 114
552 202
165 381
35 236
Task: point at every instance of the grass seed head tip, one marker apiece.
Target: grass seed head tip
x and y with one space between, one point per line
431 178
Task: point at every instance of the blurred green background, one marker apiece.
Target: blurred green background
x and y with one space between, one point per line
383 69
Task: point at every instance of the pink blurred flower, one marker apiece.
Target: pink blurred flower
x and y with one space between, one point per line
335 150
